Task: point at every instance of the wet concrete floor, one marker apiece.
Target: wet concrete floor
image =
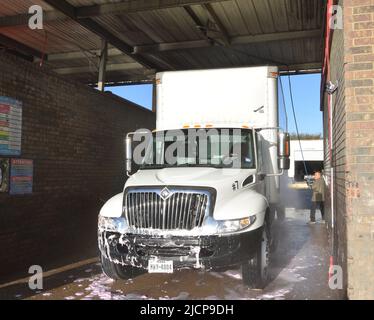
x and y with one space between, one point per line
299 270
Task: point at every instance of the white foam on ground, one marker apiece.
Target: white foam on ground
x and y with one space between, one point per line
236 294
290 275
216 274
275 295
182 296
99 288
236 274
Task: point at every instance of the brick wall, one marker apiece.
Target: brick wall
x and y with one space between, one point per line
75 135
359 92
338 155
352 59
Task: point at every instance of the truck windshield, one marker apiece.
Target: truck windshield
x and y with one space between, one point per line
218 148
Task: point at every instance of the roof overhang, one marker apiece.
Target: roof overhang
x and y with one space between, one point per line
156 35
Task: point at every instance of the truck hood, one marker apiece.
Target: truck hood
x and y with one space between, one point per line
232 198
199 177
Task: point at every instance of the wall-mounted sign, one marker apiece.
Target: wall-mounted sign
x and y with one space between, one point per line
21 176
4 175
10 126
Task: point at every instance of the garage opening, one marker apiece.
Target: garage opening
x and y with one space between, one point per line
311 167
140 94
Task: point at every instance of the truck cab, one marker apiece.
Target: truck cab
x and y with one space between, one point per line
206 188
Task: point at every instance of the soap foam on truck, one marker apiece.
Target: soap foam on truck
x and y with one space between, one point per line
206 191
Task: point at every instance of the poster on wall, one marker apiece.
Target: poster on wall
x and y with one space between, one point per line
4 175
10 126
21 176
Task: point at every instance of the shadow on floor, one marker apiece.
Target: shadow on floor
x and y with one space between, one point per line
21 290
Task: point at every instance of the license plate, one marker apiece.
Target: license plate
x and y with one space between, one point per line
160 266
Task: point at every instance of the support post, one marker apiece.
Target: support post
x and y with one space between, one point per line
154 96
102 66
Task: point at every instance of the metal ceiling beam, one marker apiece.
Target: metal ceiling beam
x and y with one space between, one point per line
205 28
241 40
278 36
193 16
136 6
310 67
103 9
126 80
153 48
88 69
113 52
221 28
20 47
103 65
304 68
102 32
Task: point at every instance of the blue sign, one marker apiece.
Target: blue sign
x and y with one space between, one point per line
21 176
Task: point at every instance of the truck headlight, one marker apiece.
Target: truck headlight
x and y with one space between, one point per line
112 224
235 225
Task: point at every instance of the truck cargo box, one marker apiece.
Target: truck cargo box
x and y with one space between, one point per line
220 97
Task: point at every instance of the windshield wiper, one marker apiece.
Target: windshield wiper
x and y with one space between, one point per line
154 166
185 165
191 165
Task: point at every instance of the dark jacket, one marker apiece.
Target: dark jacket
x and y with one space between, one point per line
318 188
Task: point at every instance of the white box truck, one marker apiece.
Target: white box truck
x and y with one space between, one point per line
206 190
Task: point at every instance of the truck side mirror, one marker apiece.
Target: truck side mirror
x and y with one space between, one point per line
283 151
128 155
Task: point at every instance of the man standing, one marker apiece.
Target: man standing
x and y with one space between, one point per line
318 197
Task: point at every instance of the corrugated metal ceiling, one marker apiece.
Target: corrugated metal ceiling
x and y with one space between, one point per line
218 34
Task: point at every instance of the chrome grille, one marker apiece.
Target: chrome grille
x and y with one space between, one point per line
183 210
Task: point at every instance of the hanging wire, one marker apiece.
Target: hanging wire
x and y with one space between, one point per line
296 125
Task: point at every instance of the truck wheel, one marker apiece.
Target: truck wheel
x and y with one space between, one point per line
116 271
255 271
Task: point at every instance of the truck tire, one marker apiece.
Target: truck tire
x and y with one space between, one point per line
116 271
255 271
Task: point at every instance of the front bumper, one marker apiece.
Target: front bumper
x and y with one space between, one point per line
204 252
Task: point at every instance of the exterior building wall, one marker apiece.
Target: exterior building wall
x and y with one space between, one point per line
352 158
359 97
75 136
